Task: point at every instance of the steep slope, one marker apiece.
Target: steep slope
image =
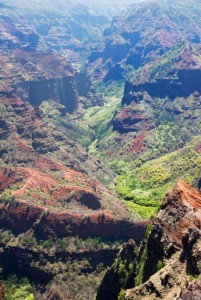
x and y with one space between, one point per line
59 224
159 114
63 25
144 185
46 166
53 208
35 77
162 96
148 30
168 259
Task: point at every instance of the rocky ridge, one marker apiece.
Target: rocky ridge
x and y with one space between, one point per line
146 31
159 114
40 25
176 76
169 258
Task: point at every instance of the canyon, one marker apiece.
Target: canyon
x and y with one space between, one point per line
99 118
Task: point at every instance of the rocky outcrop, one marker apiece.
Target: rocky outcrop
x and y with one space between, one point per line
118 276
169 258
36 77
186 84
173 246
132 119
62 90
2 292
20 217
192 291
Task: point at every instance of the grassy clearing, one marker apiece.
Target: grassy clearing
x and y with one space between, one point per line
145 212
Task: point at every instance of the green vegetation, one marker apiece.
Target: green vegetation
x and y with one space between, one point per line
166 63
144 211
144 187
111 89
193 277
6 196
69 272
70 125
140 267
76 130
121 295
18 289
144 177
159 266
99 118
53 245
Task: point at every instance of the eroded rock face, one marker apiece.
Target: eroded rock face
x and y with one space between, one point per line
19 217
133 119
35 77
163 91
62 90
169 257
173 248
143 34
114 278
192 291
2 292
187 83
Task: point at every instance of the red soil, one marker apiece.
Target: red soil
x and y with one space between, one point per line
19 217
181 209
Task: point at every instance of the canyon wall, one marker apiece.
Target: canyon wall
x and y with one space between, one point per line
19 217
168 259
62 90
188 81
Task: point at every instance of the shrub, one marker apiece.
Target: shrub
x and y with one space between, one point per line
16 289
121 295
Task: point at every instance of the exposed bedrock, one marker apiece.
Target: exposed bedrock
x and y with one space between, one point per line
113 279
130 119
188 82
168 258
62 90
20 217
83 83
2 291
